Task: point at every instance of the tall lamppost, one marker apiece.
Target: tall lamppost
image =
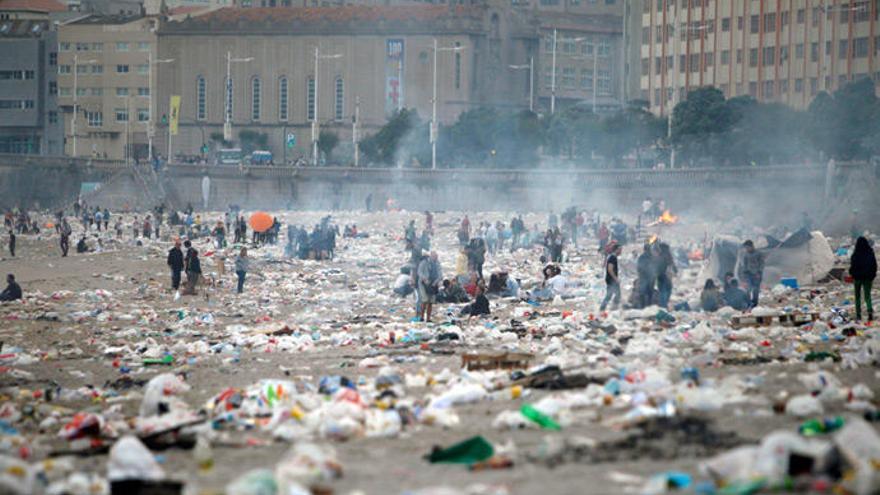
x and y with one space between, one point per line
433 129
531 68
227 123
150 129
316 126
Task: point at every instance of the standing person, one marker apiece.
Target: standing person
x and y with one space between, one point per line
752 271
242 264
552 220
12 243
647 277
430 276
612 279
148 227
429 221
863 269
603 237
492 238
666 270
99 218
106 218
193 270
219 236
65 237
135 227
175 262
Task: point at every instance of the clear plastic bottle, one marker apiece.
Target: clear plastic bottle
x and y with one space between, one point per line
204 454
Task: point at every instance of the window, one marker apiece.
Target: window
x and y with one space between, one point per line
82 47
143 69
587 48
844 48
282 99
783 53
19 75
753 89
753 57
97 69
768 89
739 58
568 77
122 69
121 91
81 91
97 91
754 24
801 16
97 47
121 46
310 99
64 47
708 59
548 44
603 49
144 91
586 80
256 97
798 85
339 102
143 114
784 18
860 47
457 67
82 69
799 51
658 68
739 23
725 57
604 81
53 117
16 104
769 56
201 98
770 22
725 24
63 91
229 93
646 66
143 46
814 52
53 58
783 86
121 114
694 61
817 12
94 119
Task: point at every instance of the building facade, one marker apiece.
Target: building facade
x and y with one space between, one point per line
371 60
773 50
29 117
104 68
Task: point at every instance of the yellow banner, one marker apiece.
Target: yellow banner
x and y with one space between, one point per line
175 113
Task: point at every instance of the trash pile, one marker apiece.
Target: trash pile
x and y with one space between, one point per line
111 383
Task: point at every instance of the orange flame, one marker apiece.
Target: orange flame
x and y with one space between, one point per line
652 239
667 218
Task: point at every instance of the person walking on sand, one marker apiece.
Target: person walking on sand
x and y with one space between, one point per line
863 270
175 263
65 237
242 264
429 277
193 270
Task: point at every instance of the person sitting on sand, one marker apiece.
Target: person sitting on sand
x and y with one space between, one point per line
12 291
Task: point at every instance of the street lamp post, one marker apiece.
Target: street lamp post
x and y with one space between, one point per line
227 123
531 69
355 122
150 129
75 91
316 126
433 129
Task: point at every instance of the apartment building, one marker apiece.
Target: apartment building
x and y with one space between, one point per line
773 50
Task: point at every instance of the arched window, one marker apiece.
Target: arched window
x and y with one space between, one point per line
282 99
256 98
201 98
339 103
310 99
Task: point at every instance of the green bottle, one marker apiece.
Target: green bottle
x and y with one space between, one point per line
167 360
538 417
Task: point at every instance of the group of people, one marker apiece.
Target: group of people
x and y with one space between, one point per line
656 270
319 244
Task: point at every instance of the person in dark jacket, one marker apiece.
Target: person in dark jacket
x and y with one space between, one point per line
647 276
12 291
735 297
752 271
175 262
863 269
12 243
452 292
480 306
193 270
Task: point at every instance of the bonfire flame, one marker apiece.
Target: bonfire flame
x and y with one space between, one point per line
652 239
667 218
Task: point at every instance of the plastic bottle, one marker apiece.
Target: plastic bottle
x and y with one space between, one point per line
203 454
166 360
538 417
815 427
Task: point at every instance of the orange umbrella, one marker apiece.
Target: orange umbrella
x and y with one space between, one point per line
261 221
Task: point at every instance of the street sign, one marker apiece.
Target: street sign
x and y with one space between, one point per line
291 140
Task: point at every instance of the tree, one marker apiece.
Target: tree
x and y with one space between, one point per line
252 141
699 122
326 142
382 147
629 130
